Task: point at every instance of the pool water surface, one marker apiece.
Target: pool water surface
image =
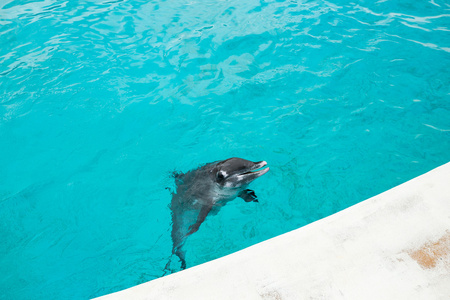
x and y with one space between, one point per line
100 101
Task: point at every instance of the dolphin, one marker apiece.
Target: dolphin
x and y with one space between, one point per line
206 189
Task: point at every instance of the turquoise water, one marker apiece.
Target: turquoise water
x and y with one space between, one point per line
101 100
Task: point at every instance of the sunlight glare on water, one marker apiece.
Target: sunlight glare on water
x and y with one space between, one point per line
101 100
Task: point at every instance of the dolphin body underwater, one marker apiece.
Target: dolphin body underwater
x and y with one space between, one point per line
206 189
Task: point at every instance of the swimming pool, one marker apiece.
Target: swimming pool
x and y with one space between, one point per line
102 100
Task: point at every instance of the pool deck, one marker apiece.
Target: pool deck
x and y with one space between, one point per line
395 245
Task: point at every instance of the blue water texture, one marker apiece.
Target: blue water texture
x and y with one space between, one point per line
101 100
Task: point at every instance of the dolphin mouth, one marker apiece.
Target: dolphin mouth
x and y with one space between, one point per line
255 170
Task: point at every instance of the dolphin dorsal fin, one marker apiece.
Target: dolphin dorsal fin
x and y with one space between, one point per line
178 176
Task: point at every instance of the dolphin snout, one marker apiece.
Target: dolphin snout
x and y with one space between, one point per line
253 172
261 164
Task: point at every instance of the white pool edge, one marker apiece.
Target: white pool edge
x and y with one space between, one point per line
395 245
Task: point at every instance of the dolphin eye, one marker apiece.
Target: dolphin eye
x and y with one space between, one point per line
220 176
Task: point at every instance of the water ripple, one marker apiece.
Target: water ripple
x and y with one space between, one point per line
320 89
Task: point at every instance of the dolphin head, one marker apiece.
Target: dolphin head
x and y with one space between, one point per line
237 172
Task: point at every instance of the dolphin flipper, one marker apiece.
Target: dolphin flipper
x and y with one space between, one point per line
248 195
